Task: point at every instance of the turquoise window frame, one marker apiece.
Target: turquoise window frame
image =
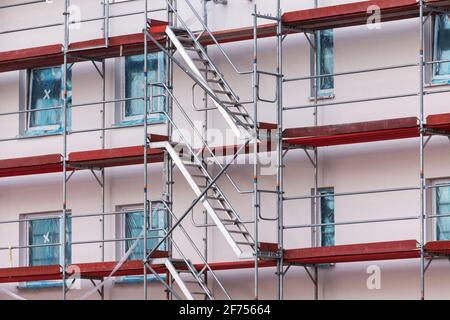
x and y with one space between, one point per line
132 111
438 36
442 205
48 99
327 215
325 63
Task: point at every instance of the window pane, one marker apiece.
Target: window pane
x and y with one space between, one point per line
46 231
46 92
442 44
134 78
134 222
443 207
327 216
325 59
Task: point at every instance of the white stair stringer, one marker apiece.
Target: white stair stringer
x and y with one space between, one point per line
235 245
177 267
238 130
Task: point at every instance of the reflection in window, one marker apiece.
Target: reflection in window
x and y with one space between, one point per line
134 88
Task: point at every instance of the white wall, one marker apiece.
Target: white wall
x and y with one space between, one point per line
346 168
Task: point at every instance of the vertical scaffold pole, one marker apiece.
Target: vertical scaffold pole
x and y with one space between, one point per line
64 211
255 150
146 107
422 155
168 167
205 137
280 164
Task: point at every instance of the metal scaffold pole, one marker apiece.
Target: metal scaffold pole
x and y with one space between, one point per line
168 163
63 223
147 104
422 151
280 161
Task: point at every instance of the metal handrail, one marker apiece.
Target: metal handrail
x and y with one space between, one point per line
195 39
213 38
194 154
204 143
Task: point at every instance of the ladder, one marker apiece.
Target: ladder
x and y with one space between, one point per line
209 77
189 280
214 201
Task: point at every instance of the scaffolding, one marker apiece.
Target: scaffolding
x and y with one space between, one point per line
187 49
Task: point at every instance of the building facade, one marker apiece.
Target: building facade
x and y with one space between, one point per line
355 194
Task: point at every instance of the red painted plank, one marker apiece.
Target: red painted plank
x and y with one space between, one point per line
359 137
30 165
438 247
351 14
355 127
403 249
114 157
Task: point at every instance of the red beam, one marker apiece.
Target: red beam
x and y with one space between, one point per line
404 249
356 13
30 165
438 247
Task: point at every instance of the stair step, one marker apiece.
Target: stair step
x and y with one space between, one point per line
199 60
243 114
214 81
229 220
238 232
245 243
231 103
207 70
222 92
191 164
223 209
192 49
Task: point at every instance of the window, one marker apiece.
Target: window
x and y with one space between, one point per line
133 222
133 74
441 48
442 207
324 64
327 232
41 231
45 92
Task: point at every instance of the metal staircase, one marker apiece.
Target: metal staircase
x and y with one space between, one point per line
216 204
189 280
208 75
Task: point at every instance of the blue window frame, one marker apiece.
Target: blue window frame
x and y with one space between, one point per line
46 91
327 232
133 110
325 63
44 231
134 222
441 50
442 199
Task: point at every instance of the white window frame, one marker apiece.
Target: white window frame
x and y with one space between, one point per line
29 128
314 68
435 76
121 221
24 236
432 223
120 84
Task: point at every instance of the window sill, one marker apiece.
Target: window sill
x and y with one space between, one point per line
136 279
151 121
438 83
40 285
41 133
330 96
